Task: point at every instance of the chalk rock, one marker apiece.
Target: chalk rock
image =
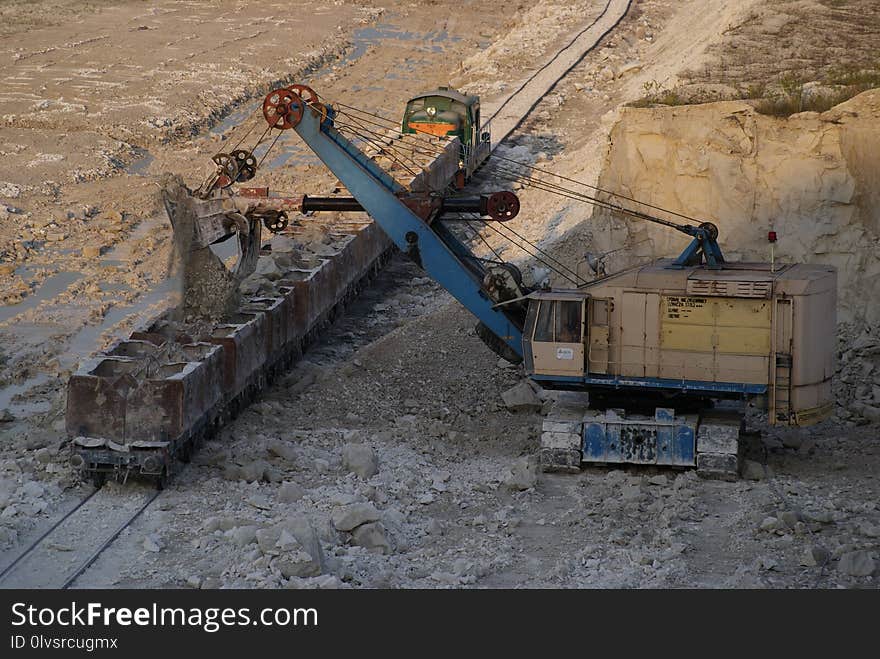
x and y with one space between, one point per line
869 530
282 450
32 490
372 536
152 543
347 518
301 528
360 459
789 518
521 398
266 268
242 536
857 564
297 564
231 472
290 492
522 475
813 556
254 471
259 502
821 516
267 540
7 536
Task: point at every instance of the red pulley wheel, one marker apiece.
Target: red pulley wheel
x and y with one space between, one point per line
283 108
306 93
502 206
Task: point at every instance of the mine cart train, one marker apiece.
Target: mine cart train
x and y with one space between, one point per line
447 112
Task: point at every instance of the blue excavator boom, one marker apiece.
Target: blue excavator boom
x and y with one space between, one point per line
410 219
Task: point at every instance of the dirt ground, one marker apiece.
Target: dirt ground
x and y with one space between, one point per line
98 102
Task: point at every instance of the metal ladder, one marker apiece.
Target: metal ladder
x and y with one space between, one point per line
782 388
781 362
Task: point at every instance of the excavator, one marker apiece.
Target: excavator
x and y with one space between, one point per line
669 353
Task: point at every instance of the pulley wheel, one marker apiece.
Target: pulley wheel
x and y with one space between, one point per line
502 206
710 229
275 222
283 108
227 169
306 93
246 163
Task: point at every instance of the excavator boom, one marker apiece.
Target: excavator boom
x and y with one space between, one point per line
410 221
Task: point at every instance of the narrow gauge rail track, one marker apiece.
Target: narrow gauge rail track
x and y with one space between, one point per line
69 547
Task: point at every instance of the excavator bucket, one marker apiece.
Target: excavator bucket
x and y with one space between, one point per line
200 223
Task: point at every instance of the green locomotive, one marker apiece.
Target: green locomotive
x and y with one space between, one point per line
446 111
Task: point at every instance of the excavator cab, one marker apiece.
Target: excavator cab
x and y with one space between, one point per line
555 333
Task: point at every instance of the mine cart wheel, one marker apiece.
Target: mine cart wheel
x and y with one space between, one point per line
186 451
98 479
162 479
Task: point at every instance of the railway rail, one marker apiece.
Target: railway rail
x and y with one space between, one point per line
61 554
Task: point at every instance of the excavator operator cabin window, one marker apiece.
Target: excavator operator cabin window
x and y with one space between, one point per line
559 321
568 322
544 325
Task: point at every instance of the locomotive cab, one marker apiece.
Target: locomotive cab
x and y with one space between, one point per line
447 112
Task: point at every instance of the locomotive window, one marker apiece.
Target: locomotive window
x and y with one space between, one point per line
544 324
568 322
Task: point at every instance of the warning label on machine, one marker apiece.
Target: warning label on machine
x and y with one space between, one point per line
684 308
715 325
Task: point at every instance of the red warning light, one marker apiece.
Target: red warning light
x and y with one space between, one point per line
771 236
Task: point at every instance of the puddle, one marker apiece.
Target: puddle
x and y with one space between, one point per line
365 37
142 163
292 155
236 118
84 342
121 253
51 287
362 39
13 390
107 286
